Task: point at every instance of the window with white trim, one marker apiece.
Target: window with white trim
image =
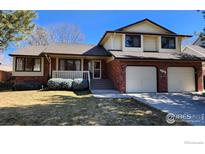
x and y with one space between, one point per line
168 42
28 64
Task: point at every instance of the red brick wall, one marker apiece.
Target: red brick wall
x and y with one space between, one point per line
39 79
43 79
53 64
104 69
117 72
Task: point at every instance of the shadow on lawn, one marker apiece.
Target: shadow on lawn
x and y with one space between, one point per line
66 110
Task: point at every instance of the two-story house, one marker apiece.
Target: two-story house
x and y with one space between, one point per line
140 57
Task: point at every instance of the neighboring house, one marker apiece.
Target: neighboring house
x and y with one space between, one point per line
140 57
199 47
200 41
5 72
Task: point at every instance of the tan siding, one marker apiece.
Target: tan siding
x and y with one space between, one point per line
114 42
146 27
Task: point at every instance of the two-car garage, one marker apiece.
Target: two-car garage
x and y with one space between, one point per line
145 79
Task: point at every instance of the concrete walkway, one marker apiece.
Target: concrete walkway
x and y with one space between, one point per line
190 106
108 94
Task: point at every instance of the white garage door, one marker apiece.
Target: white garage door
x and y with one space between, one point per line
141 79
181 79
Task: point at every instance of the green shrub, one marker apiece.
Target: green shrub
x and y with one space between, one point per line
27 86
6 86
80 84
54 83
59 83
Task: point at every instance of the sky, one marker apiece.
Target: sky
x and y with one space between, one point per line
94 23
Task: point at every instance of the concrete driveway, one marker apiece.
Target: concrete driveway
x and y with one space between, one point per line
188 106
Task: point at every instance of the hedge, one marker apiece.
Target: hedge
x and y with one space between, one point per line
67 84
27 86
6 86
80 84
59 83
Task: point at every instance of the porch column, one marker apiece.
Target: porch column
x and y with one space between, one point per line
56 63
50 68
82 64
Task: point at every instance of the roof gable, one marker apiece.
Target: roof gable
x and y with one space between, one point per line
146 26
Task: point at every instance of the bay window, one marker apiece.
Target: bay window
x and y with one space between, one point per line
28 64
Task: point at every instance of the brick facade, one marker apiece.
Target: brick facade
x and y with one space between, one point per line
117 72
44 79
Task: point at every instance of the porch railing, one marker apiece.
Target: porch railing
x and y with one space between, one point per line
72 75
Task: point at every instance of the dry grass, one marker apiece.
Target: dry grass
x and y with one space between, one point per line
28 98
67 108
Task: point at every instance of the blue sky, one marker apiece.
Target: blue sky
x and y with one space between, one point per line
94 23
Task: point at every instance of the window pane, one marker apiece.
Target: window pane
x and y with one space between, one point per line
28 64
62 64
19 64
132 41
77 65
96 73
37 65
97 65
69 65
168 42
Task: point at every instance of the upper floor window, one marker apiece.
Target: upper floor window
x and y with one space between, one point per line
132 41
28 64
168 42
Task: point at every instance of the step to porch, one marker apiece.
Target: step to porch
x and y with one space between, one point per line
102 84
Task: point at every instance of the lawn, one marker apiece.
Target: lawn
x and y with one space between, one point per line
68 108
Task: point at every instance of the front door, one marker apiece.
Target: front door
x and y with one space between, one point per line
96 69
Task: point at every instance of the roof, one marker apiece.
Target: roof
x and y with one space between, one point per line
69 49
121 28
195 48
5 68
157 55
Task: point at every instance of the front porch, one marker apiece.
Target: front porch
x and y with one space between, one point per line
94 84
64 67
90 69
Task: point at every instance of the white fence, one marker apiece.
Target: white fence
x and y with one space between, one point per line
72 75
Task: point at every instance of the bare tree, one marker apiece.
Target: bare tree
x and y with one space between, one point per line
39 37
61 33
65 33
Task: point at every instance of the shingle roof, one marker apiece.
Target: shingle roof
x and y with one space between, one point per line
200 51
157 55
70 49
